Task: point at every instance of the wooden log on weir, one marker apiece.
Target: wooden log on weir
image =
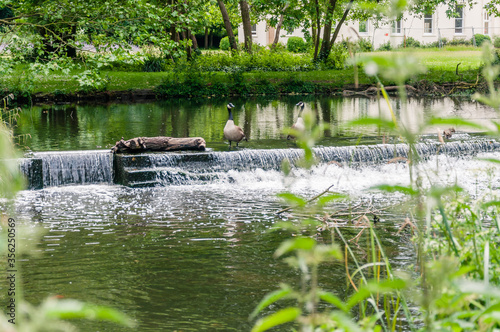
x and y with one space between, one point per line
160 143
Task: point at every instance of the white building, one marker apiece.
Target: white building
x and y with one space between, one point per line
428 29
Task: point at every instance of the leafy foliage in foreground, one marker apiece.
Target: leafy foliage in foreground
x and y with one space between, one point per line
456 238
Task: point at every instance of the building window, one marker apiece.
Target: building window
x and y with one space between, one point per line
363 26
428 28
254 29
396 27
459 19
486 23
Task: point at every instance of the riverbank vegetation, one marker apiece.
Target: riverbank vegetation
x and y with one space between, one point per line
222 73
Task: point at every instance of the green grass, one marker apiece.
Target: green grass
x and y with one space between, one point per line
447 59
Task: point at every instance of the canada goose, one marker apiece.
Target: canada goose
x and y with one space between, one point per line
299 124
232 132
448 133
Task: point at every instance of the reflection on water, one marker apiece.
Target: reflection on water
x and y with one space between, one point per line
199 257
65 127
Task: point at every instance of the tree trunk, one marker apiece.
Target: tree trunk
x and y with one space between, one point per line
278 27
341 22
318 30
325 46
227 25
193 39
211 39
206 38
160 143
247 25
174 35
313 32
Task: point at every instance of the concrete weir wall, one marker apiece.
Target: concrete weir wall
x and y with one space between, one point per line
49 169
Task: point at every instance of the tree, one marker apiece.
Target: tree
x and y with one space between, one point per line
247 25
59 28
227 25
280 14
328 41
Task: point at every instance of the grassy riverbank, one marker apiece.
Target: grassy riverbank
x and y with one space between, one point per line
444 66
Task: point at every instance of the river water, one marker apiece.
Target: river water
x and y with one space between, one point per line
197 256
90 127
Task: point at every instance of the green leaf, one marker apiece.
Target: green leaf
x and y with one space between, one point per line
74 309
490 203
270 298
332 197
344 322
334 300
281 317
293 199
391 189
298 243
492 308
382 287
491 160
286 167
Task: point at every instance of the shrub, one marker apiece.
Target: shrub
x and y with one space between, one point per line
153 64
280 47
496 62
365 45
457 42
410 42
261 60
310 45
432 45
296 45
337 57
224 43
385 46
496 42
360 45
480 39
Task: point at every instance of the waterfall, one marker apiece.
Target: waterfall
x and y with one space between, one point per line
75 167
200 168
47 169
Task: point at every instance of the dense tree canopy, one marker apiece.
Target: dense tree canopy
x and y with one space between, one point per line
44 29
63 27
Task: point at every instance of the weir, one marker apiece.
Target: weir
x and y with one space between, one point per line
47 169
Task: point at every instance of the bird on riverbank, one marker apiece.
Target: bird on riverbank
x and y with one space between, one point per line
232 132
299 124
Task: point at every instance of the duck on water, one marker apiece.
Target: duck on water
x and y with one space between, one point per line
232 132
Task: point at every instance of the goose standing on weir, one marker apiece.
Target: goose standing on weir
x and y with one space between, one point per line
232 132
299 124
